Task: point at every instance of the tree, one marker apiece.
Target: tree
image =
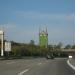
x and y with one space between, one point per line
59 46
32 42
50 47
68 46
73 47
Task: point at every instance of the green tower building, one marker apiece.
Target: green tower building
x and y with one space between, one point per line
43 38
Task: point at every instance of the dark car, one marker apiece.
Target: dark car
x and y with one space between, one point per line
49 56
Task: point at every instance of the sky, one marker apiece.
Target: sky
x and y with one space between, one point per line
21 20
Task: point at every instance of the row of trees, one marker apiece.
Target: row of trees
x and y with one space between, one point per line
21 49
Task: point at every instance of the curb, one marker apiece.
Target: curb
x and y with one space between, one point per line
68 62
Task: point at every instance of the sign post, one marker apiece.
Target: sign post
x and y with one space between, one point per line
8 47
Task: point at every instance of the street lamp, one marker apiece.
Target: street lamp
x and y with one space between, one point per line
2 39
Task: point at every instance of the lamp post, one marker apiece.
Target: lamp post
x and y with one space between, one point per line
2 39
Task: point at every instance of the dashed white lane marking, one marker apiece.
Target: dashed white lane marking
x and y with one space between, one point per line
39 63
10 62
46 61
73 67
21 73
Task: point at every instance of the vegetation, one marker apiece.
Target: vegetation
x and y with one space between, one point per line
21 49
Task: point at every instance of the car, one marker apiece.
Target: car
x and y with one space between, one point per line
70 57
49 56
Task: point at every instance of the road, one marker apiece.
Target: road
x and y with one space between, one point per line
38 66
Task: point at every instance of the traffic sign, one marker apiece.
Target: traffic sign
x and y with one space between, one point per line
7 46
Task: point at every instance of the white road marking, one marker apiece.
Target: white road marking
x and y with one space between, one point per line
21 73
73 67
39 63
46 61
10 62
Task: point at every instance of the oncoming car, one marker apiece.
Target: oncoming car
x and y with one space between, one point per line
70 57
49 56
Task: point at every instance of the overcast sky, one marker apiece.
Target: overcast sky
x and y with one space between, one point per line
21 20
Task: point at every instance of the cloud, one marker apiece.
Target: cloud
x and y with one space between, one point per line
21 34
8 26
48 16
18 33
60 26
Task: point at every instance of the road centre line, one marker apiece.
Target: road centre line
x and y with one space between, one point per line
39 63
26 70
10 62
21 73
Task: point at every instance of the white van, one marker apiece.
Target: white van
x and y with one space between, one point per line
70 57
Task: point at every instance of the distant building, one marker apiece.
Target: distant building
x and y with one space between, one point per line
43 38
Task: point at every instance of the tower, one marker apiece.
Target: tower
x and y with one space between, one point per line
43 38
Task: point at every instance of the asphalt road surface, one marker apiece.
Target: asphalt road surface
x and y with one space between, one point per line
38 66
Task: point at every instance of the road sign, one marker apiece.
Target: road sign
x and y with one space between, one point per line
7 46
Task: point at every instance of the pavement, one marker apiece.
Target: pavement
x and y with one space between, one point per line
35 66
